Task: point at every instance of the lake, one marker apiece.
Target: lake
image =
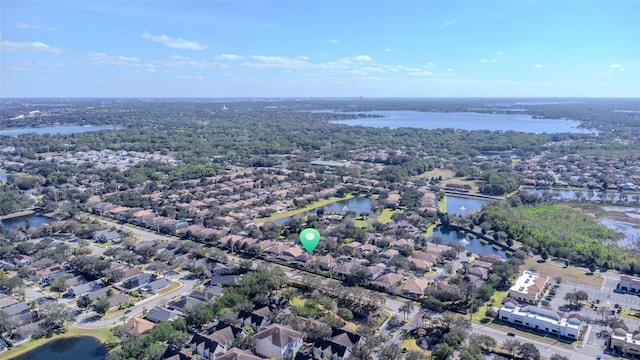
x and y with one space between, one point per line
457 205
465 121
82 347
61 130
21 221
4 176
357 204
450 237
587 195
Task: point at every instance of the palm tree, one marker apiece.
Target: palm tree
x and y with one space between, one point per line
406 308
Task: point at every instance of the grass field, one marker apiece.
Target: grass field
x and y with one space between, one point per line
385 217
311 206
17 214
410 344
569 274
104 335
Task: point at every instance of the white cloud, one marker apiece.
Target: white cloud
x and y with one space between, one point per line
229 57
26 26
281 62
178 57
362 58
35 46
484 61
537 66
617 67
499 53
98 58
334 41
449 69
187 77
449 23
174 43
389 50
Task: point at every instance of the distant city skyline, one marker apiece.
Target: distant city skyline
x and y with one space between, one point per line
319 48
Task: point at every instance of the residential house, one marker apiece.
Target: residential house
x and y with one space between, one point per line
177 354
207 293
185 303
137 280
15 309
540 319
205 347
389 280
158 314
529 287
278 341
156 285
338 347
136 326
118 300
256 319
85 288
415 287
238 354
20 259
105 236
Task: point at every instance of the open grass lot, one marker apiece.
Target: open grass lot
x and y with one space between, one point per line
459 181
311 206
569 273
17 214
445 173
385 217
498 297
410 344
104 335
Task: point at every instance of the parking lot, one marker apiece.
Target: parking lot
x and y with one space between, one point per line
601 297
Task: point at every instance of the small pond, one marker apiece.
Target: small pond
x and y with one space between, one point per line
82 347
450 237
22 221
457 205
61 130
357 204
4 176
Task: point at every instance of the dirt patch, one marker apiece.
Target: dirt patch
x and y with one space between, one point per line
569 273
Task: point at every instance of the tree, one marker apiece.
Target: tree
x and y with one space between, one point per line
471 353
442 351
83 301
59 285
511 345
592 267
406 308
391 352
55 314
483 341
558 357
101 305
528 351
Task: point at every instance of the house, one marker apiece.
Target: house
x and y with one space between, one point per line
415 287
177 354
278 341
118 300
389 280
15 309
338 347
137 326
185 303
256 319
20 259
106 236
137 280
6 300
205 347
222 269
157 314
155 286
225 279
625 342
540 319
85 288
629 284
529 287
238 354
207 293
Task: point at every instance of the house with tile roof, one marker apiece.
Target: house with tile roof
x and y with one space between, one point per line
137 326
278 341
415 287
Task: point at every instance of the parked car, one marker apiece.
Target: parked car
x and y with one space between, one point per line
511 334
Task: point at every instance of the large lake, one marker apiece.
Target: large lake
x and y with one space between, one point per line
82 347
62 130
450 237
465 121
22 221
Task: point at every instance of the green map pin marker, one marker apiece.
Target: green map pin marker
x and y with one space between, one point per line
310 239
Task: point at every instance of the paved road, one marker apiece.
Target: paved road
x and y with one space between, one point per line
91 321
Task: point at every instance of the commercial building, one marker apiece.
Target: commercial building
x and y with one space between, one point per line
541 319
529 287
625 342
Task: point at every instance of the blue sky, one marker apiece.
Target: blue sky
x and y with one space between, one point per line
319 48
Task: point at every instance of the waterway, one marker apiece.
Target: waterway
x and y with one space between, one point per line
465 121
60 130
82 347
22 221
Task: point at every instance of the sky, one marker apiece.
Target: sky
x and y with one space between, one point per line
319 48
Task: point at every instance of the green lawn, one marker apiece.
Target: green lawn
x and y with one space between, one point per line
385 217
410 344
442 204
498 297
